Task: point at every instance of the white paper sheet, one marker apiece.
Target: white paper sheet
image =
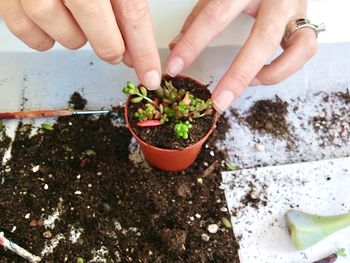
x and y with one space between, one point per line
316 187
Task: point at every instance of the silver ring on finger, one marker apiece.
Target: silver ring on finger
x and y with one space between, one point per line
299 23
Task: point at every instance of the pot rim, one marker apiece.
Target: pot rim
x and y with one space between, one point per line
126 115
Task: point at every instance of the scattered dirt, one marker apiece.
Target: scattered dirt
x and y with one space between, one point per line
77 101
269 116
163 136
333 127
108 206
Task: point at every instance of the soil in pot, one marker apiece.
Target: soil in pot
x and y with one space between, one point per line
110 208
163 136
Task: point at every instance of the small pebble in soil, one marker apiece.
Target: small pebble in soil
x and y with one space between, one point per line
212 153
197 215
36 168
46 187
213 228
200 180
33 223
27 216
259 147
13 229
77 192
191 218
78 176
8 169
223 209
99 173
89 185
47 234
206 164
205 237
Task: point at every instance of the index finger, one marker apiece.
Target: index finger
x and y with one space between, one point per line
136 26
265 37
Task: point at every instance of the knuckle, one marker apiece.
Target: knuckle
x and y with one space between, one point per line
20 25
217 12
133 10
37 9
87 8
110 54
272 78
240 81
190 46
270 34
147 55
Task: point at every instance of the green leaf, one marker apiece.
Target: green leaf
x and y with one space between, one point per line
136 99
47 126
80 260
226 222
143 91
341 252
231 167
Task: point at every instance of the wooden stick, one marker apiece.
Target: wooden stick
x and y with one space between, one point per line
35 114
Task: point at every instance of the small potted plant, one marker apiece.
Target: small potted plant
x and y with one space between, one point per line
171 123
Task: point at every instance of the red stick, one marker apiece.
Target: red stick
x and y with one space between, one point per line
34 114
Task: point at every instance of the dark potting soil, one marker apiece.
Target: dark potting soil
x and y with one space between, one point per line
125 212
4 141
269 116
163 136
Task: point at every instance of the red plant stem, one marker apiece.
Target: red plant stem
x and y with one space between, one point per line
330 259
34 114
149 123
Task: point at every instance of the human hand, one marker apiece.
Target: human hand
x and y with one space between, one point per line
210 17
118 30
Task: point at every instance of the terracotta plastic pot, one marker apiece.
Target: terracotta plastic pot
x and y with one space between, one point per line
172 160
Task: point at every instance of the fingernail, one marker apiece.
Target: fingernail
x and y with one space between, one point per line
117 61
152 80
175 66
255 82
223 100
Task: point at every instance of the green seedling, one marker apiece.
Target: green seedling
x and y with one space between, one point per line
138 93
168 105
182 128
231 167
307 229
80 260
47 126
341 252
226 222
